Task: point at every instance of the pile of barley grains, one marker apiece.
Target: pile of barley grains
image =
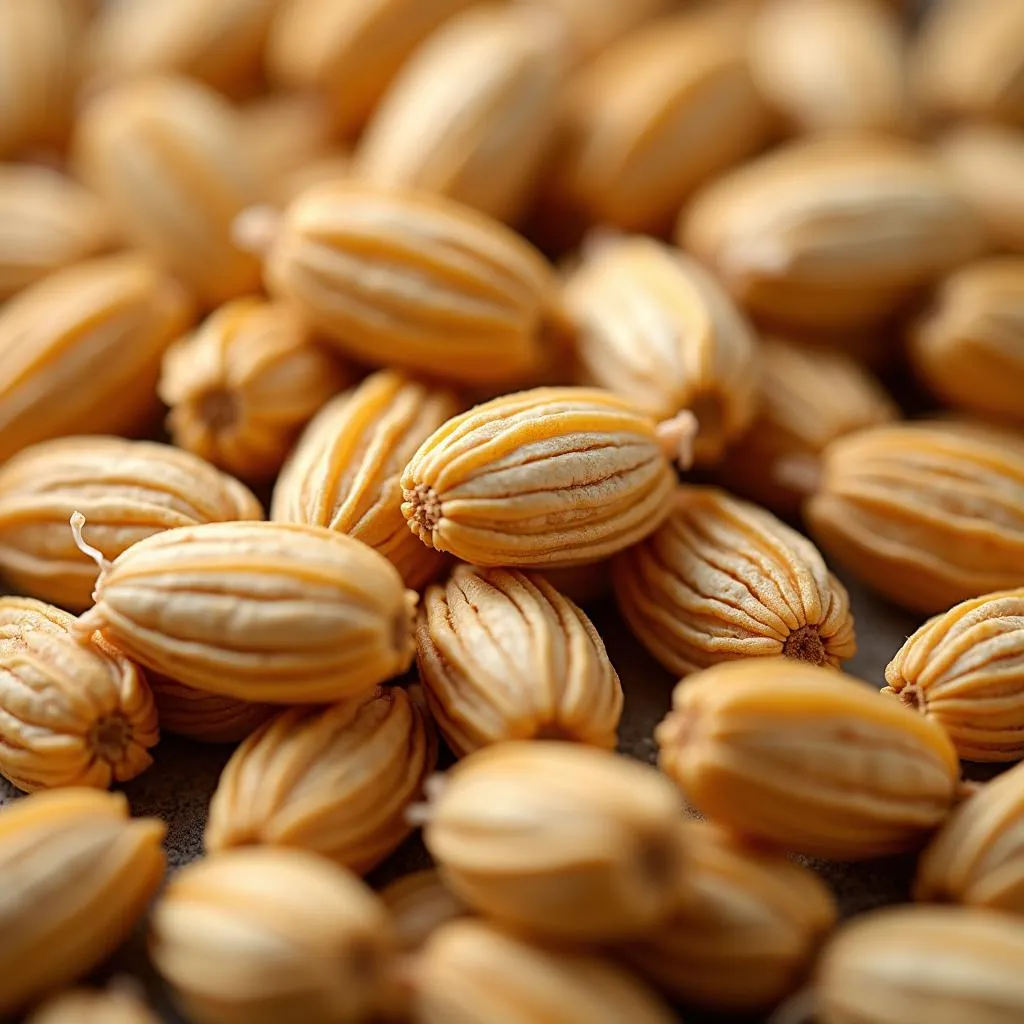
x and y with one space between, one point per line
512 511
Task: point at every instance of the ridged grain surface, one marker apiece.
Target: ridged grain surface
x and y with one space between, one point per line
552 476
206 717
942 964
806 398
977 857
831 233
965 670
335 781
261 935
49 222
350 51
722 579
656 114
414 280
969 347
807 760
473 113
504 656
653 326
345 472
80 350
258 611
559 840
926 516
744 930
127 490
71 713
472 972
78 875
166 155
243 386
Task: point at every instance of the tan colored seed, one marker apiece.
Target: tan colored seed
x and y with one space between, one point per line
807 759
558 839
943 965
349 52
419 903
471 972
167 156
665 108
265 935
80 350
593 25
284 135
78 873
832 65
345 472
219 43
981 430
977 857
94 1006
127 490
831 233
744 929
271 612
969 346
49 222
807 397
653 326
38 41
503 656
473 112
722 579
987 163
418 281
244 384
336 780
71 714
552 476
968 61
965 670
205 717
926 516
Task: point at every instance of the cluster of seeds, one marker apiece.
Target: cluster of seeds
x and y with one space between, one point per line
348 347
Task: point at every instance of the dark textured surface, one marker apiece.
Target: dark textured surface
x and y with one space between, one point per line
178 787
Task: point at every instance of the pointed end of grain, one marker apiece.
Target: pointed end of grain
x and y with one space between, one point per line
255 229
86 627
966 789
676 437
420 814
417 815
